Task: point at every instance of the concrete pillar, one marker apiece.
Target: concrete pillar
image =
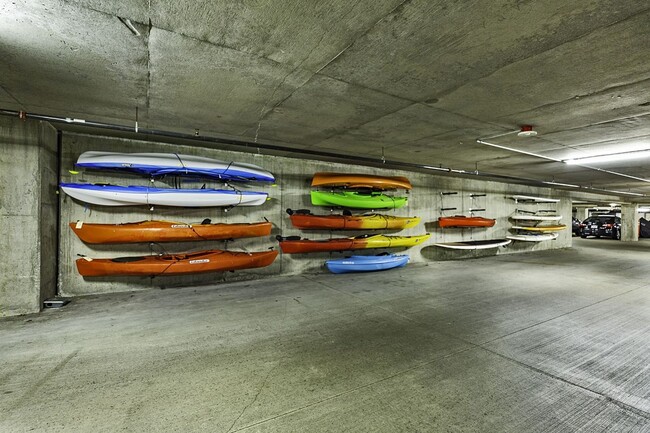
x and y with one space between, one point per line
629 223
28 211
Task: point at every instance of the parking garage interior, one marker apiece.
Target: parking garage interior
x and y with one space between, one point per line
528 118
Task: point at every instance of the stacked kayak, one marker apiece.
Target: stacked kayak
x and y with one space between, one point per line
354 180
165 231
161 164
366 263
175 264
543 229
533 237
536 217
303 219
474 245
357 200
463 221
294 244
113 195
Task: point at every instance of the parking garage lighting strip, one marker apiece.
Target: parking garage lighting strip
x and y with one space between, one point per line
374 162
574 162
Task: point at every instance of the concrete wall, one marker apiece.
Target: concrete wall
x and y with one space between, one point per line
291 191
28 210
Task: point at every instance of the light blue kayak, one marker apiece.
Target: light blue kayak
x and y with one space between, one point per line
367 263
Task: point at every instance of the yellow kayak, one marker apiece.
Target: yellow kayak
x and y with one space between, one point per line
382 241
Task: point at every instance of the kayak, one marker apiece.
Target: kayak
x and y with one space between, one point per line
161 164
175 264
463 221
165 231
303 219
366 263
113 195
293 244
540 228
536 217
533 237
355 180
474 245
356 200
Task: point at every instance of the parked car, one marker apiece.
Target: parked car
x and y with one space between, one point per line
601 226
575 226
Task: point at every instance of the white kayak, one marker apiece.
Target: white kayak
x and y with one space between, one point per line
523 217
474 245
112 195
533 238
531 199
160 164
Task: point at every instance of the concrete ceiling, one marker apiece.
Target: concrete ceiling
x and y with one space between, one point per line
414 80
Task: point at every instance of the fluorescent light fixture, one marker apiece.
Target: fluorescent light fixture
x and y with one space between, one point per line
643 210
570 185
612 157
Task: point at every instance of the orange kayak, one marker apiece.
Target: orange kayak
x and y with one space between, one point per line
463 221
307 221
352 180
165 231
175 264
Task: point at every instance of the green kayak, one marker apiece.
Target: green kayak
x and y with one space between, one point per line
356 200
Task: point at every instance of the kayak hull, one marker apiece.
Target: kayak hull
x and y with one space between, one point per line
533 237
536 217
113 195
355 180
366 263
356 200
165 231
175 264
291 246
474 245
542 229
160 164
463 221
352 222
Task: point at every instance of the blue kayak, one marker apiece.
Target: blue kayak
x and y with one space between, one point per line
162 164
366 263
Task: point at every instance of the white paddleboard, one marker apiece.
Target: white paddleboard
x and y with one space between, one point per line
536 217
531 199
474 245
533 238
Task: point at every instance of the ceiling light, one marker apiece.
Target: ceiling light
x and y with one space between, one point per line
526 131
643 210
570 185
612 157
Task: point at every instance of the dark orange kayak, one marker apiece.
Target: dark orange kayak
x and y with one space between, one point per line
175 264
165 231
355 180
463 221
307 221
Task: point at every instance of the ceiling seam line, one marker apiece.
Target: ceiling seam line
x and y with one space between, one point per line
404 108
584 35
22 106
587 95
362 35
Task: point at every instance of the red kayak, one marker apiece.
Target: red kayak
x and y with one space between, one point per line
463 221
175 264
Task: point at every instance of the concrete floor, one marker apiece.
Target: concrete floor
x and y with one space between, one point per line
555 341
